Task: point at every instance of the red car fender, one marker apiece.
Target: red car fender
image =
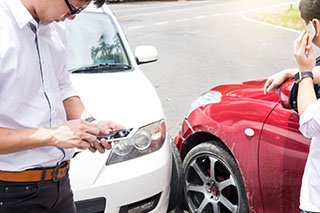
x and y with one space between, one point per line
228 122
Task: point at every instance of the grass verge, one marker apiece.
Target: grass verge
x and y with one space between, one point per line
289 18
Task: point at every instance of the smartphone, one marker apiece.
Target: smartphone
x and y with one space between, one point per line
311 31
118 134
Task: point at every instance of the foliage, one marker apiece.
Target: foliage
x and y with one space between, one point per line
105 52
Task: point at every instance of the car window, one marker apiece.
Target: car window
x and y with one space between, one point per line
93 39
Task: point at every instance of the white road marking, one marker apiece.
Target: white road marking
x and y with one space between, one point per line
161 23
178 20
136 27
183 19
167 11
163 5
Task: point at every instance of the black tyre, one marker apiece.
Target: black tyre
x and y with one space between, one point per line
177 178
213 182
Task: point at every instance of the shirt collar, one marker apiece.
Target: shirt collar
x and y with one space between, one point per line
20 13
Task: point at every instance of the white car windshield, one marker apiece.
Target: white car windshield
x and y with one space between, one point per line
95 45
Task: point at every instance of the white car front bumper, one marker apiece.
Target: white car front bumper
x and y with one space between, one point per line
122 184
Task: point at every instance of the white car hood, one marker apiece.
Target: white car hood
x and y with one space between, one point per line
127 98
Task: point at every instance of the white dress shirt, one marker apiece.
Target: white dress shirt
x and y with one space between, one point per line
310 128
34 81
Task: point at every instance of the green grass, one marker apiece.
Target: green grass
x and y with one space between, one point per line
290 18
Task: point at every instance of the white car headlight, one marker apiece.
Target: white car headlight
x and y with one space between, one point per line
146 140
209 97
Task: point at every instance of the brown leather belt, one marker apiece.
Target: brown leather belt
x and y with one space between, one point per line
35 175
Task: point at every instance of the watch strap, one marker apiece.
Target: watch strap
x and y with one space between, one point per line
301 75
90 119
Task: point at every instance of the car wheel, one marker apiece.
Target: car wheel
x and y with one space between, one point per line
213 182
177 178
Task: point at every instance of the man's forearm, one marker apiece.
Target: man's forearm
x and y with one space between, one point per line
306 94
15 140
290 72
316 74
75 109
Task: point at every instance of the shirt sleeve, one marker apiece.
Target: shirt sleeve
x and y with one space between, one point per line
310 120
65 83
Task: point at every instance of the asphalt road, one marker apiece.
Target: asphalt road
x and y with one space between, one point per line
202 44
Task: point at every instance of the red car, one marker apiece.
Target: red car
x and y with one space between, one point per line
242 150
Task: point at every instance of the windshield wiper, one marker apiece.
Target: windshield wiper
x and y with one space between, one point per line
101 68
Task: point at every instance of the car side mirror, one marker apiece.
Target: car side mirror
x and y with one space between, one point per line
145 54
287 95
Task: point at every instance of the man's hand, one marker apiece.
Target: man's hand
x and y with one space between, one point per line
83 136
277 79
105 127
304 53
306 62
75 134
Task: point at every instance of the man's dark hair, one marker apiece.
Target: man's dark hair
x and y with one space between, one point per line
98 3
309 9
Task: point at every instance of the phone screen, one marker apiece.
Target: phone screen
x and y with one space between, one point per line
116 134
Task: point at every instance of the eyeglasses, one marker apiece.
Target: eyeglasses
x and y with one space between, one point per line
72 11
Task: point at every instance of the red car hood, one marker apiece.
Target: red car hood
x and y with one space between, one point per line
248 89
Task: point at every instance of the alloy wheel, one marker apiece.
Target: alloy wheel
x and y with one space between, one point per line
210 185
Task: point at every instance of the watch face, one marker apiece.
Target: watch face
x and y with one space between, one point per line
297 77
300 75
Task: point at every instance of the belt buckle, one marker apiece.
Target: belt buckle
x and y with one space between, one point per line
55 174
56 169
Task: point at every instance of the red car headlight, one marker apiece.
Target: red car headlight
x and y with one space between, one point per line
209 97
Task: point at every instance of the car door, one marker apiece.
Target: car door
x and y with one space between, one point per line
283 152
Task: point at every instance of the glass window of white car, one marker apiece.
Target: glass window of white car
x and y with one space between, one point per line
102 45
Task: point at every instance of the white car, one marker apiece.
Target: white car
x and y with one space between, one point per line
135 175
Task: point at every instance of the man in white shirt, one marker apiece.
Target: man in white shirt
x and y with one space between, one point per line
42 119
308 105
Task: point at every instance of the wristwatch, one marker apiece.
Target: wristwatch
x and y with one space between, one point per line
89 119
301 75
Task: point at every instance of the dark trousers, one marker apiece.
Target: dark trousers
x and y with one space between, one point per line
37 197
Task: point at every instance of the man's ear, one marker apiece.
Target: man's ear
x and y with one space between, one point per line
316 24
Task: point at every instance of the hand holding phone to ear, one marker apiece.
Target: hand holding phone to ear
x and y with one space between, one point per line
304 53
311 31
